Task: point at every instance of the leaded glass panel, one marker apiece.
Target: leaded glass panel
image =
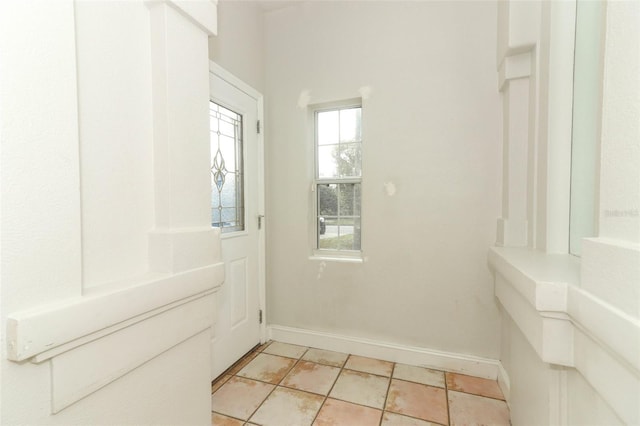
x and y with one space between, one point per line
227 174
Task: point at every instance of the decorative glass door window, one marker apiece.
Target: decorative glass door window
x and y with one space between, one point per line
227 177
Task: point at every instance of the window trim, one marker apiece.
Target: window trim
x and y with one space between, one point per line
351 256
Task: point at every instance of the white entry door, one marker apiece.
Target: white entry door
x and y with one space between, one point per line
236 208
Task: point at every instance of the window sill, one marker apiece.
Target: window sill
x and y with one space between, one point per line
327 257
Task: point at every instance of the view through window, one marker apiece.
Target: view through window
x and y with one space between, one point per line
338 138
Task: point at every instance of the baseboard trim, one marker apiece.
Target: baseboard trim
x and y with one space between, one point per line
504 382
412 355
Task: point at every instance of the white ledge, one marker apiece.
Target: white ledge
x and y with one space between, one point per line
541 278
543 295
532 288
72 322
569 322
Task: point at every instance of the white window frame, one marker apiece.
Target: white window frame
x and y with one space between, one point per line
330 254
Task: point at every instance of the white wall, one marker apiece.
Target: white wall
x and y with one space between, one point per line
239 45
431 127
619 175
570 325
109 264
116 139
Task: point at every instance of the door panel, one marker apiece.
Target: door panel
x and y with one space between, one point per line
235 195
240 290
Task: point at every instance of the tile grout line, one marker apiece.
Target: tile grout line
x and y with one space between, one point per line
479 395
255 349
446 395
390 377
417 383
235 364
386 395
276 385
342 369
231 417
331 388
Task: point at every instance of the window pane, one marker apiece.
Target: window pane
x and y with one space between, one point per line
327 166
328 200
228 148
340 234
213 125
357 234
328 127
349 160
328 233
587 89
347 194
215 214
350 125
227 192
345 230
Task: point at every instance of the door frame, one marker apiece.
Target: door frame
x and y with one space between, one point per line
225 75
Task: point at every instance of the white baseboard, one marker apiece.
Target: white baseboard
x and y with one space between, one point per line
439 360
504 382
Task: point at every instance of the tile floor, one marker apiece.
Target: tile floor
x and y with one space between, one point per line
287 385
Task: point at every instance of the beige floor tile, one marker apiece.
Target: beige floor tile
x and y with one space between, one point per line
240 364
267 368
413 396
369 365
240 397
335 412
285 349
474 385
393 419
288 407
361 388
468 409
335 359
220 420
422 375
417 400
219 382
311 377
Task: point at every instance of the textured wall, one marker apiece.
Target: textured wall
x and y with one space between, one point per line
239 45
430 126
